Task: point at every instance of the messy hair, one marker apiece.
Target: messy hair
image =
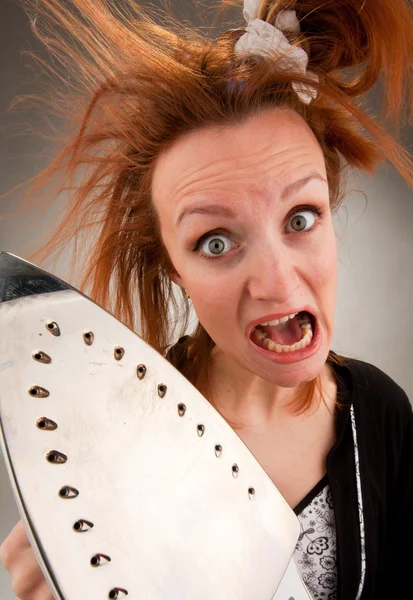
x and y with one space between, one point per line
137 81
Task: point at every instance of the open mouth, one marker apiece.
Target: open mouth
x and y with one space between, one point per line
290 334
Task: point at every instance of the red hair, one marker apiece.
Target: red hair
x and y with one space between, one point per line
136 87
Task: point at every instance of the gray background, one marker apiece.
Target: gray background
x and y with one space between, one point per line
374 315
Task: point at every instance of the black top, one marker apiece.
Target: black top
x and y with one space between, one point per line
384 424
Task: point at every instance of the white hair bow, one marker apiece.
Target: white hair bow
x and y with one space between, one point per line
264 39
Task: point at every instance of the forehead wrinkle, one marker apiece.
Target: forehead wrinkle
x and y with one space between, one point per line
220 174
186 188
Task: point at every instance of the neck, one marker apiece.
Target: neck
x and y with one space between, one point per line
247 400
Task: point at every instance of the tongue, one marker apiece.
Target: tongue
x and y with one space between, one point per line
285 334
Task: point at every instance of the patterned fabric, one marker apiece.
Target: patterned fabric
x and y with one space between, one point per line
316 550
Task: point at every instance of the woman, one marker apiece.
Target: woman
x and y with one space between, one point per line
216 166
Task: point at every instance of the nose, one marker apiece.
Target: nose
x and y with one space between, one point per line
273 275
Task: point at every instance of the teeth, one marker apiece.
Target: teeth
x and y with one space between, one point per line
278 321
260 334
304 319
271 345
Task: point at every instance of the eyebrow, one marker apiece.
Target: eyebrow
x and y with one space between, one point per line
216 209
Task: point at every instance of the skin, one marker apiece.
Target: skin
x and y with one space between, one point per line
269 268
18 558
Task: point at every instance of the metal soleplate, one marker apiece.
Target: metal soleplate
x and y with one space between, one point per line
168 503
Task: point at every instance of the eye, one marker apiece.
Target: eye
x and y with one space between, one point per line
213 245
303 219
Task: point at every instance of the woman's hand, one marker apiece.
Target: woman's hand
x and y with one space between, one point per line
17 556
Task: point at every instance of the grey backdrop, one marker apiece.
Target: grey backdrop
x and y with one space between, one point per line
374 310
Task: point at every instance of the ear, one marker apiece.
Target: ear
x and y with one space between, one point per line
176 278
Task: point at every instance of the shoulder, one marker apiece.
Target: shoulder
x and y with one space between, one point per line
371 379
376 395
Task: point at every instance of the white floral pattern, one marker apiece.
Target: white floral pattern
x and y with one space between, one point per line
316 550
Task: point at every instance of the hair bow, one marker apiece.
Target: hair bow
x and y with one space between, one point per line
263 39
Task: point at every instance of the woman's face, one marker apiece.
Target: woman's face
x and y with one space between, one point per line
245 217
